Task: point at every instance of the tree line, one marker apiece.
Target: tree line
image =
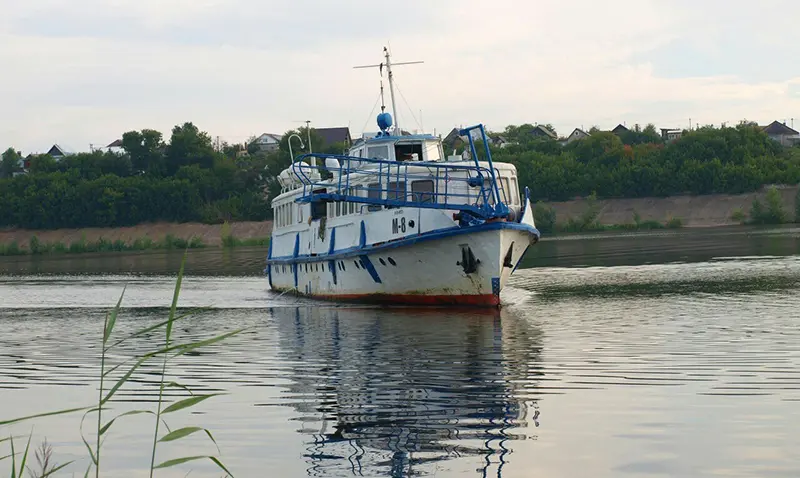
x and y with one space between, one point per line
187 179
636 163
181 180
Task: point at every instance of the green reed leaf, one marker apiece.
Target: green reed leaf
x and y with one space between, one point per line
112 318
220 465
178 385
185 348
25 456
124 379
56 469
157 326
178 461
180 433
126 414
175 296
41 415
13 460
188 402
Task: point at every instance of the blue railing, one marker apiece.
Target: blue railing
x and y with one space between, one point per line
388 183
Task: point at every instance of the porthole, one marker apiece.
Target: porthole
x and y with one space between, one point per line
382 261
357 264
392 262
343 267
362 264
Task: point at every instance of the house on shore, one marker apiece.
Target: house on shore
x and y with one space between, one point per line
267 142
57 152
115 147
619 129
671 134
577 134
781 133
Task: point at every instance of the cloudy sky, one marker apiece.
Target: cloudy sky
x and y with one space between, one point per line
77 72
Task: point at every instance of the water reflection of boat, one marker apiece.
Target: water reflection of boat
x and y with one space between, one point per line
390 392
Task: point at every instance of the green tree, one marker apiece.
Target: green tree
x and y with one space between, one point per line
146 150
187 146
11 163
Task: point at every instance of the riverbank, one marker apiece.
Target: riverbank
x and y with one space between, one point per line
139 237
710 210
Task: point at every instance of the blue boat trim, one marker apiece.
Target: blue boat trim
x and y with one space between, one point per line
426 236
296 254
370 268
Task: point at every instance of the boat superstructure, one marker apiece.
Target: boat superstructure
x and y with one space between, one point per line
395 220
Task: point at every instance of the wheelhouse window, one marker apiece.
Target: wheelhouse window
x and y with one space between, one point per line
422 190
378 152
408 151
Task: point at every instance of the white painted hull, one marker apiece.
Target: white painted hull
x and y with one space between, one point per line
429 271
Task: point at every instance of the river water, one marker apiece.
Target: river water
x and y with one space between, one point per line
675 353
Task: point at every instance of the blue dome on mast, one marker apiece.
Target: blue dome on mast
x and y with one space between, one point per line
384 121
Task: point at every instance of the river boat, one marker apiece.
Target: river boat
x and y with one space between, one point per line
395 221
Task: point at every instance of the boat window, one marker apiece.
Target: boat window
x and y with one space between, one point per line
378 152
505 190
432 151
422 190
374 192
397 190
487 186
514 192
338 209
408 152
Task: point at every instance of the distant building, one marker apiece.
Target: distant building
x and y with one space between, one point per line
576 134
115 147
670 134
781 133
620 129
543 132
58 153
268 142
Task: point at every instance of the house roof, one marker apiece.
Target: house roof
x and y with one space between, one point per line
276 137
57 150
777 128
620 128
334 135
546 131
115 144
578 130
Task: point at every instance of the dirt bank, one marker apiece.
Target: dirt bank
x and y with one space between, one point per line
694 211
209 234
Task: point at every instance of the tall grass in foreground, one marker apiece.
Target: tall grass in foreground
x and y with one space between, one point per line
117 376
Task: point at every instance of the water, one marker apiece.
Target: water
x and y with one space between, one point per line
676 354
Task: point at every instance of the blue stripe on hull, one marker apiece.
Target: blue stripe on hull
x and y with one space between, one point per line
428 236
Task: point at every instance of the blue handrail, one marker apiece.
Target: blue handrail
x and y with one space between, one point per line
390 184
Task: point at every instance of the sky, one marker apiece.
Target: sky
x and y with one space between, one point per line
81 72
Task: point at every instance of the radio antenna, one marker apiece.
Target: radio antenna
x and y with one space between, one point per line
388 64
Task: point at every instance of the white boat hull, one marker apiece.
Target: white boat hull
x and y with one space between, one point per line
433 269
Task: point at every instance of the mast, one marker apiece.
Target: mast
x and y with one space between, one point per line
388 65
391 90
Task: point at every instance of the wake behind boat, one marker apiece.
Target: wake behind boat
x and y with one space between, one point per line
395 221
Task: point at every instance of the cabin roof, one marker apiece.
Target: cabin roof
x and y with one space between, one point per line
392 139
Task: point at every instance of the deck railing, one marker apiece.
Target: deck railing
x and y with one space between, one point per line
388 183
